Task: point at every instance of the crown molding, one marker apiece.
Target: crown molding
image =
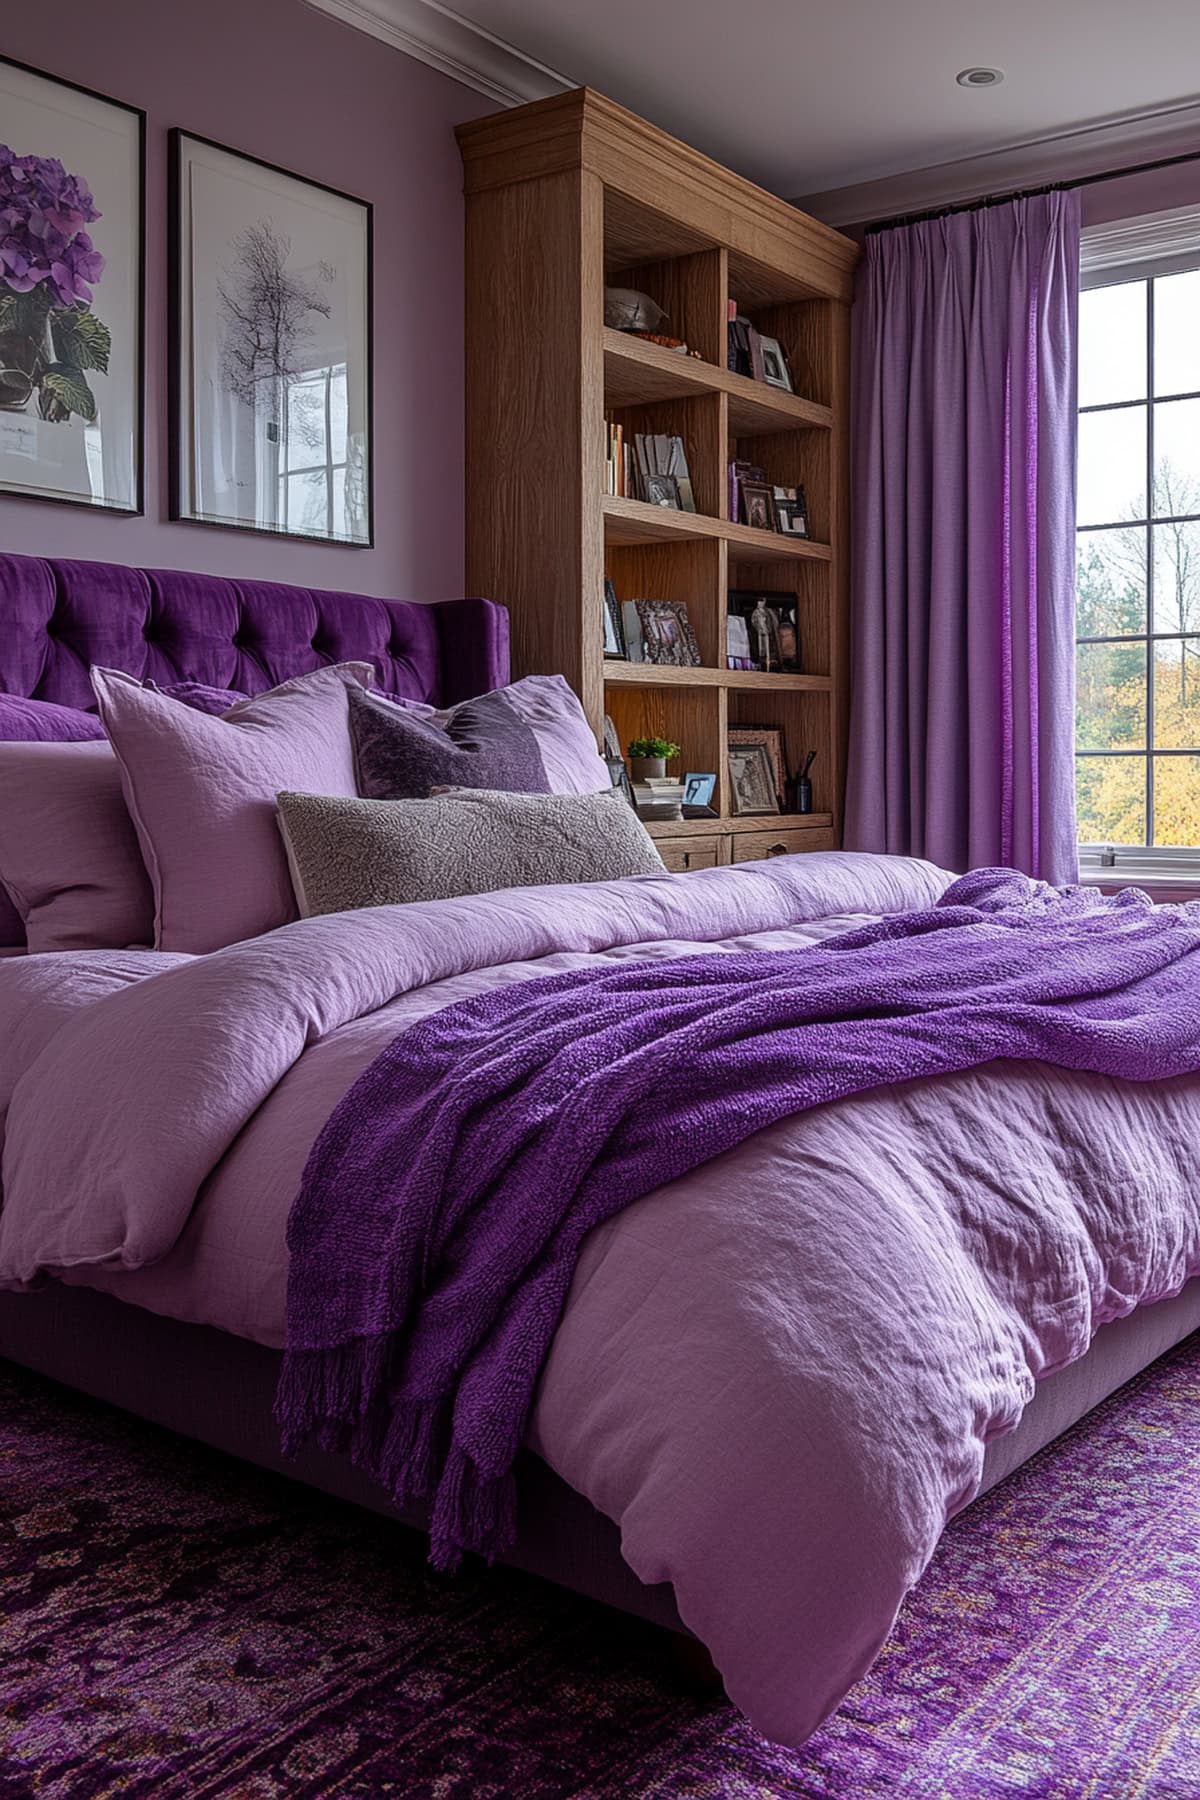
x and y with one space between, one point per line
1084 150
445 41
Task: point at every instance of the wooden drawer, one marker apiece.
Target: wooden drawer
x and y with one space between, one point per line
753 846
683 853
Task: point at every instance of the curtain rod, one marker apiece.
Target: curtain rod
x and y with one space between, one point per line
1050 187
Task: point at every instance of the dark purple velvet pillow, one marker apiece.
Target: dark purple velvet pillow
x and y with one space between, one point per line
41 722
484 743
201 698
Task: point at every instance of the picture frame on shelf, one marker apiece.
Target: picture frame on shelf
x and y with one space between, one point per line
615 647
791 512
698 790
612 740
620 778
758 505
772 632
771 738
776 372
751 779
72 292
271 348
667 635
663 490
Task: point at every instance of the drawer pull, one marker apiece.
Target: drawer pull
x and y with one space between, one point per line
777 850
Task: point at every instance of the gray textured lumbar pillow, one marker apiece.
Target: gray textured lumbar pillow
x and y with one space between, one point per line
349 853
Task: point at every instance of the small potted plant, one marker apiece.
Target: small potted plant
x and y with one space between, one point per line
648 757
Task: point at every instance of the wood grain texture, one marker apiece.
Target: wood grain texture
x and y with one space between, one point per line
690 290
706 204
690 572
681 854
757 846
561 195
637 372
633 522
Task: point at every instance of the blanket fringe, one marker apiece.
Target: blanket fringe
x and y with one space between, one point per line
399 1445
322 1390
471 1512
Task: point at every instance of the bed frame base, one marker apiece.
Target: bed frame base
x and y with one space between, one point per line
219 1389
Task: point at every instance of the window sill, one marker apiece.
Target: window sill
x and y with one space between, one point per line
1160 887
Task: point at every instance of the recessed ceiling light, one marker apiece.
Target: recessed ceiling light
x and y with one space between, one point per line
977 78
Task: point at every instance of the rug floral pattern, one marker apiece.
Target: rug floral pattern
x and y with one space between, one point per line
175 1626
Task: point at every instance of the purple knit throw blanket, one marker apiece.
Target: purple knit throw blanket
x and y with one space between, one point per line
444 1204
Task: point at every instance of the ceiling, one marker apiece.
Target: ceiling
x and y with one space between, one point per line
808 98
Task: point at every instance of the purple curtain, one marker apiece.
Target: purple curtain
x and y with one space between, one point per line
962 715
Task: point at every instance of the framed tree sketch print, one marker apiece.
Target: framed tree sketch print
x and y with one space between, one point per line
271 337
72 169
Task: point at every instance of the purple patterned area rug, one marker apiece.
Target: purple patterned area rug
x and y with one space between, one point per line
176 1626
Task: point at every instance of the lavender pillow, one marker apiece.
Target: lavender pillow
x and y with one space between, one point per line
41 722
201 794
68 855
530 738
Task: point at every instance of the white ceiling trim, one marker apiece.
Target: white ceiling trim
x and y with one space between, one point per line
1059 156
444 40
1163 243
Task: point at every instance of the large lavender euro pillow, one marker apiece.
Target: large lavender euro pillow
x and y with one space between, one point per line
69 858
344 854
530 738
201 794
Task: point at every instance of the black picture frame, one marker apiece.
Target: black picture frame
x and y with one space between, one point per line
620 778
176 365
614 626
138 507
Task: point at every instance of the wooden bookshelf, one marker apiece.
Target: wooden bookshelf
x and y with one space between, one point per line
564 196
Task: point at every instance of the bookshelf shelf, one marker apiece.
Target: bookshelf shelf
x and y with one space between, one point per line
569 195
638 373
636 522
668 675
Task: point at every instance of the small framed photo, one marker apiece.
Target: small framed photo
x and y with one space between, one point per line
758 505
791 512
751 779
612 741
771 738
615 647
771 633
698 790
620 778
663 490
775 365
667 634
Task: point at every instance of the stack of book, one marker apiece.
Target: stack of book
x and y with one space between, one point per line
740 472
647 466
745 346
660 798
616 460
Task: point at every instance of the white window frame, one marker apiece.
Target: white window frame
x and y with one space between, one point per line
1166 243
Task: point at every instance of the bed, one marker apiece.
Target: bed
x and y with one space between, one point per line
112 1333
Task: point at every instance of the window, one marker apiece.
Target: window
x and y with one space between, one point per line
314 454
1138 563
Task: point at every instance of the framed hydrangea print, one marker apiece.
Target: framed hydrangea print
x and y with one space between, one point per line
271 336
72 167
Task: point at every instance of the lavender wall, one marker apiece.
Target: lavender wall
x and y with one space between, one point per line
283 82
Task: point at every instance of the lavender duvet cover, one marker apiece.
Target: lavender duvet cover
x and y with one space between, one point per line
777 1373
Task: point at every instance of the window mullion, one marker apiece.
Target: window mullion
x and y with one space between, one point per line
1150 514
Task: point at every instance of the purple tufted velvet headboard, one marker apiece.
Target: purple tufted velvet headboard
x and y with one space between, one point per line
58 618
